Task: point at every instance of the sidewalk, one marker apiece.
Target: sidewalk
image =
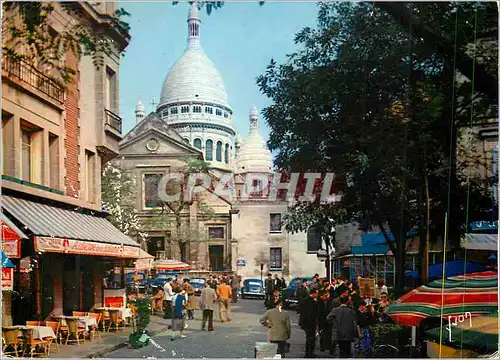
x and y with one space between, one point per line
110 341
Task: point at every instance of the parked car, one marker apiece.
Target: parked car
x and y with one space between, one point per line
289 293
161 278
253 288
198 284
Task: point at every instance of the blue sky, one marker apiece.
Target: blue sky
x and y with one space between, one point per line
240 38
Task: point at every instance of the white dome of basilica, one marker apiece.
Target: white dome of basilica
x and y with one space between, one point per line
253 155
194 101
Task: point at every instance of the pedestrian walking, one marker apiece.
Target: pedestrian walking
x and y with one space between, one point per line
269 288
280 329
366 317
208 299
308 321
167 299
301 293
325 328
178 323
191 300
224 294
235 284
344 327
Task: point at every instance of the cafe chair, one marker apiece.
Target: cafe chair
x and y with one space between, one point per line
54 325
79 313
115 320
104 319
11 343
32 323
33 346
94 330
75 331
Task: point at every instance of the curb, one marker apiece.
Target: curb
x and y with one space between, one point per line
103 352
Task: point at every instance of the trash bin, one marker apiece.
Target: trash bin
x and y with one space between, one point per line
264 350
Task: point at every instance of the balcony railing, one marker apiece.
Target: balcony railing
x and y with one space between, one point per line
31 76
113 120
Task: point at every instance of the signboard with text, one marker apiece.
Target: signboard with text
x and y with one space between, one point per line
11 248
70 246
367 288
7 279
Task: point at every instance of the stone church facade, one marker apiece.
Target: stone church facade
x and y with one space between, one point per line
194 121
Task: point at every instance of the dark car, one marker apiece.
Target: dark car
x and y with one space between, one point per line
289 292
161 278
198 284
136 281
252 288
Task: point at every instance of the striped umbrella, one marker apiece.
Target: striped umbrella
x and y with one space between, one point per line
476 293
170 265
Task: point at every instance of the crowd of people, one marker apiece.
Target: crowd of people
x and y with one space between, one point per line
339 315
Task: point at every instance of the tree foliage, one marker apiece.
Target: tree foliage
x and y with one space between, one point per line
366 99
28 36
118 195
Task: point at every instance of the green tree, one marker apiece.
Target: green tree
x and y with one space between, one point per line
378 107
117 191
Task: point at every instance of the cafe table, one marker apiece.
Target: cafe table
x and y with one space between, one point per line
83 321
40 332
124 312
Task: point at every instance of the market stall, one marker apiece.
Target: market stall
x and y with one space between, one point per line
475 293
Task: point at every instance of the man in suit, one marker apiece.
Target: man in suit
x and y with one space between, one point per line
308 321
345 326
208 299
280 329
269 288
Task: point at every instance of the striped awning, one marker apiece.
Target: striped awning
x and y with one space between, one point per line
170 265
475 293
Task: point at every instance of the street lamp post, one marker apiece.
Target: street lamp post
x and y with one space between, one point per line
261 269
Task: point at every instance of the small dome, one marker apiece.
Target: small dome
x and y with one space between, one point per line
254 113
254 155
140 106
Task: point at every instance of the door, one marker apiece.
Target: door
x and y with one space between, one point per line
216 255
87 279
71 294
155 244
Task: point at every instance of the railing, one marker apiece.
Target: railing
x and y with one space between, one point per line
31 76
113 120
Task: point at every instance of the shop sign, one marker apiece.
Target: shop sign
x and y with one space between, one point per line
7 279
70 246
11 248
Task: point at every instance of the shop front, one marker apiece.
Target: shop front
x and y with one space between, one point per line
63 258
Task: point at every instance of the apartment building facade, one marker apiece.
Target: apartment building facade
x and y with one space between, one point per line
55 138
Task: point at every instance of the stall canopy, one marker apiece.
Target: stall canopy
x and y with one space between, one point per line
170 265
454 268
476 293
480 241
481 337
67 231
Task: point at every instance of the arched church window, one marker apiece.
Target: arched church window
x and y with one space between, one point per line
184 109
209 150
226 114
218 112
197 143
218 151
226 154
186 140
173 110
209 109
197 109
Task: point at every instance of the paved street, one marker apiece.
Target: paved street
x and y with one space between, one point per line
234 339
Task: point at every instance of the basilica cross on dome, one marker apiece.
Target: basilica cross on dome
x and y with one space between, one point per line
153 103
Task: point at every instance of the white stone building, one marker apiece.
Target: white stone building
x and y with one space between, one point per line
194 104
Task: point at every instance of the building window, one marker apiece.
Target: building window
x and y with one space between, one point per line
197 143
218 112
218 151
226 114
226 154
26 155
187 140
174 110
164 114
216 232
209 110
151 182
209 150
111 90
54 160
90 168
275 260
257 190
275 222
197 109
184 109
